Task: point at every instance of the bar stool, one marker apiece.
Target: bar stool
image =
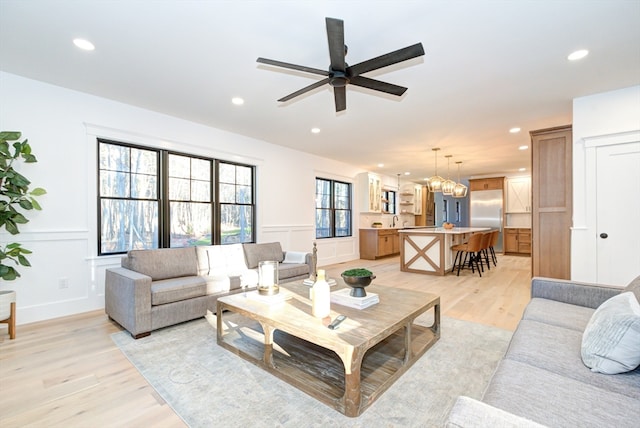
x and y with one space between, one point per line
495 234
470 249
8 311
484 250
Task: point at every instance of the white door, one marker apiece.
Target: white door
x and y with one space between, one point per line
618 213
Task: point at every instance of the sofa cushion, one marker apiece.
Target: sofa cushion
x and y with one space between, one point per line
163 263
176 289
290 270
557 350
255 253
558 313
557 401
611 341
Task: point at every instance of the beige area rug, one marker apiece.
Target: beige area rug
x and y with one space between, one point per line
209 386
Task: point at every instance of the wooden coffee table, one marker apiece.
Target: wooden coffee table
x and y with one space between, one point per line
347 368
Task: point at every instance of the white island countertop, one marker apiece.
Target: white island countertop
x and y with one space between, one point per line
454 231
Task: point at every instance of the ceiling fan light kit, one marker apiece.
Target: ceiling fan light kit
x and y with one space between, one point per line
340 74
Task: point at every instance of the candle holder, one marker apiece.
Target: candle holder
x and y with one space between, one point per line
268 278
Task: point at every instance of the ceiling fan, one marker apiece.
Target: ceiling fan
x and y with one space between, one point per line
340 74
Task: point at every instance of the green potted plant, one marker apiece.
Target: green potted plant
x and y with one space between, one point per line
357 279
15 196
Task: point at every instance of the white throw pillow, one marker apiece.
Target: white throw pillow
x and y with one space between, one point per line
611 340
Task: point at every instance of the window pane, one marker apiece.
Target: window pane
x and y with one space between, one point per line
113 157
342 196
179 166
114 184
201 191
227 193
144 161
128 225
144 186
323 223
179 189
323 194
200 169
244 195
343 223
190 224
227 173
235 223
243 175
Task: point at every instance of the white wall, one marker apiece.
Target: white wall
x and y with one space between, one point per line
597 119
62 126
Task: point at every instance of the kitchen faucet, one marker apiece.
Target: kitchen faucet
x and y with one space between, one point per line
395 217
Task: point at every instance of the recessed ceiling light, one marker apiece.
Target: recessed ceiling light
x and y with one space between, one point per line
407 173
514 130
522 169
315 130
574 56
83 44
380 165
237 101
426 179
523 147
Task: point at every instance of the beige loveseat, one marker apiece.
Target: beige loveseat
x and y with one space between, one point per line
161 287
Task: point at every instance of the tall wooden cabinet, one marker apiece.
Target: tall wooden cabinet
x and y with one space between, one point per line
551 185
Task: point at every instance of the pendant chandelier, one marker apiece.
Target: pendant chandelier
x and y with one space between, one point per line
435 182
448 185
460 190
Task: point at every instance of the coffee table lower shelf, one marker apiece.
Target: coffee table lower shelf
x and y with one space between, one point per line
318 371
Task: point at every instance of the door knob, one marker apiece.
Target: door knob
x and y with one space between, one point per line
604 235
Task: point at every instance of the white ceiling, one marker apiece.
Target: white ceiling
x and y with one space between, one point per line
489 66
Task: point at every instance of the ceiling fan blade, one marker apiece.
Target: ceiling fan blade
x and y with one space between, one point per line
340 96
293 66
335 36
305 89
386 60
377 85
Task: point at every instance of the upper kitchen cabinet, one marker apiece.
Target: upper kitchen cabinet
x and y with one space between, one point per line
494 183
370 187
518 195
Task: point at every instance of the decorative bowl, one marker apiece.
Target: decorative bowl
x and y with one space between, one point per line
357 283
448 226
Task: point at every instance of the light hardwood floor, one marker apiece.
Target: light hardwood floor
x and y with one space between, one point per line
68 372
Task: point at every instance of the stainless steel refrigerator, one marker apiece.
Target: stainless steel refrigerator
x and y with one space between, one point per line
486 211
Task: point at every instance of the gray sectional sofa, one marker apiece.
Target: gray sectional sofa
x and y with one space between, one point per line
161 287
542 380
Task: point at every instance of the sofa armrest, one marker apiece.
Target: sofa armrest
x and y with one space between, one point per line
470 413
128 299
572 292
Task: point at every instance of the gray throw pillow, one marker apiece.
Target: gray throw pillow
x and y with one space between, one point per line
611 340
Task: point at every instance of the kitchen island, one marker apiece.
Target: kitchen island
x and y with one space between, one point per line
428 251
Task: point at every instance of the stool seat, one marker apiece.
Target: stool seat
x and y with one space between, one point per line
8 311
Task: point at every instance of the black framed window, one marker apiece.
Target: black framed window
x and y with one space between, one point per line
333 209
236 203
150 198
389 201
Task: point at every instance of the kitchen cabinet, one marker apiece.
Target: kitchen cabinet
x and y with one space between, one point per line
376 243
517 240
493 183
551 197
370 186
518 195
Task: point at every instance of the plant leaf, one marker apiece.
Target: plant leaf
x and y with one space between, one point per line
38 191
23 261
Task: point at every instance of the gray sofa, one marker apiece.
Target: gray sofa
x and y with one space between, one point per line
542 380
161 287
